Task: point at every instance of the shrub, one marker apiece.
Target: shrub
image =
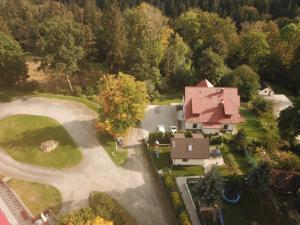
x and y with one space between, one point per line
184 218
177 204
109 209
239 141
169 182
259 176
28 86
160 137
216 140
77 217
287 160
188 134
259 105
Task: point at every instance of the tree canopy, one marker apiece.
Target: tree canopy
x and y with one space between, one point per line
123 102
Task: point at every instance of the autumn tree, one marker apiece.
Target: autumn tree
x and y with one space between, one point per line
245 79
113 37
98 221
123 102
64 45
13 69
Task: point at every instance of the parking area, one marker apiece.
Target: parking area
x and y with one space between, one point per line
159 115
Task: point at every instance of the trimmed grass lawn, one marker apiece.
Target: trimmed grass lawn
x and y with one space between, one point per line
164 162
8 97
252 125
37 197
119 157
235 162
22 135
167 100
254 208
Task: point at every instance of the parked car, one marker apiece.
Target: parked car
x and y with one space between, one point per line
161 128
173 129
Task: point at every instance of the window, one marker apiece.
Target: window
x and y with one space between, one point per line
190 148
226 126
194 125
185 160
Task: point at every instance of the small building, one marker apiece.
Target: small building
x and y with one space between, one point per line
211 109
189 151
265 90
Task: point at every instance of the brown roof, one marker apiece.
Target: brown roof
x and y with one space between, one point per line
212 105
204 83
199 148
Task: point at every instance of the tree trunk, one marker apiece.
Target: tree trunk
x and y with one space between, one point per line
69 82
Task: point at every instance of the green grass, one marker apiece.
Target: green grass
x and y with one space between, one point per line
22 135
119 157
235 162
167 99
252 125
37 197
254 208
164 162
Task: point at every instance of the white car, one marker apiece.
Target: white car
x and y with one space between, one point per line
161 128
173 129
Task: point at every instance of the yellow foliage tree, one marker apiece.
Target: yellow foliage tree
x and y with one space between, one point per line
98 221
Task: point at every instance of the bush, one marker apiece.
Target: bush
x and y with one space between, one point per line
28 86
287 160
216 140
259 105
169 182
188 134
184 218
177 204
109 209
259 176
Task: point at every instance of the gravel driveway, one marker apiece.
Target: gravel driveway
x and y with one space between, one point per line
133 186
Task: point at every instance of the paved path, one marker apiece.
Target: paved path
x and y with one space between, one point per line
133 186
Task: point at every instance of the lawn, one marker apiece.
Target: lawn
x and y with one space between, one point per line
167 99
254 208
119 157
10 96
164 162
252 125
22 135
37 197
235 162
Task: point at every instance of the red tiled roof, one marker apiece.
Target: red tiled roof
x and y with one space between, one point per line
204 83
212 105
3 219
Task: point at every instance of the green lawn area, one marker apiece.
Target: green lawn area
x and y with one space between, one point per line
37 197
167 100
118 156
235 162
10 96
254 208
164 162
22 135
252 125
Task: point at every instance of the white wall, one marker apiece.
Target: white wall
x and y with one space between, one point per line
266 91
211 130
189 162
230 127
189 126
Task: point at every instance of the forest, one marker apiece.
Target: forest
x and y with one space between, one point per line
168 44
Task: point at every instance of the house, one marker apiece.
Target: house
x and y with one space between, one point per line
265 90
189 151
211 109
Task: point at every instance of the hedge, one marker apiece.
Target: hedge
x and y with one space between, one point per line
178 205
109 209
162 138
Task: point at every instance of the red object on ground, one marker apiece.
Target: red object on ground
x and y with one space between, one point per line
3 219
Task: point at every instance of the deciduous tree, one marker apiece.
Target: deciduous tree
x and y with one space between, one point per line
123 101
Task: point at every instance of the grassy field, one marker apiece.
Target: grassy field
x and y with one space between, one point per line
254 208
37 197
164 162
118 156
10 96
21 136
252 125
167 99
